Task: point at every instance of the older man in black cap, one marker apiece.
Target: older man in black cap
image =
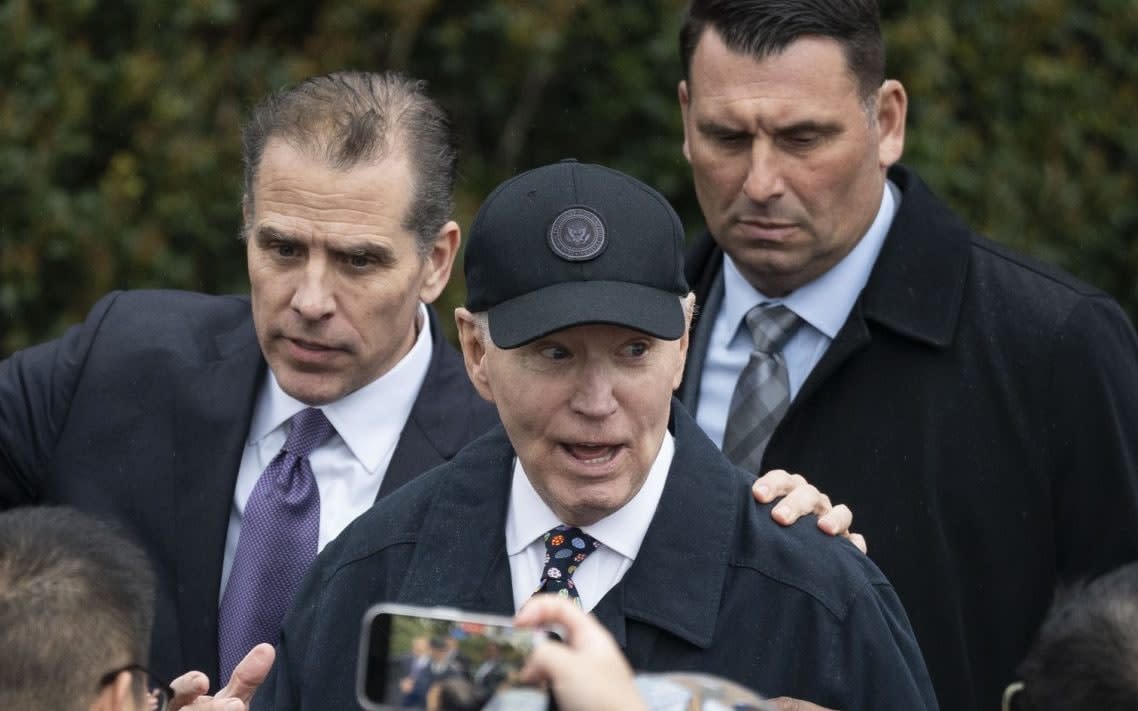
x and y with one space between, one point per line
597 486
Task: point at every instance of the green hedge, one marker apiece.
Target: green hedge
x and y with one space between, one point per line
120 164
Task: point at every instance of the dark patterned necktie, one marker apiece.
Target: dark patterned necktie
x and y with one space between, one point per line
280 530
762 393
566 547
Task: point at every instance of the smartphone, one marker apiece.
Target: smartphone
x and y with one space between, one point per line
446 659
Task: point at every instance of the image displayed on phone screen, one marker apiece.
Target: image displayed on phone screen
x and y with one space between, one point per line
421 662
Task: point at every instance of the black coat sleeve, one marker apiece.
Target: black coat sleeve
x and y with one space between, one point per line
36 389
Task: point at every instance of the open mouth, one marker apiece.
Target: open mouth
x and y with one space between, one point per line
592 454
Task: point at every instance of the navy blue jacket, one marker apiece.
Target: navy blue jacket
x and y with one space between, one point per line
717 587
978 411
140 415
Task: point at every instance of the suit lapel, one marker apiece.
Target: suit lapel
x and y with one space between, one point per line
437 426
213 416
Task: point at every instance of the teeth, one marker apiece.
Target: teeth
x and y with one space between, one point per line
603 453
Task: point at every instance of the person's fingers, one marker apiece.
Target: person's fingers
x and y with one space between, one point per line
773 484
249 673
836 521
546 656
803 499
555 610
187 688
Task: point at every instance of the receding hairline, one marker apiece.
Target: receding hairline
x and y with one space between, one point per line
396 154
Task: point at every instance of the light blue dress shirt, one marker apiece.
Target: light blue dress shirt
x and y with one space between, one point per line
824 304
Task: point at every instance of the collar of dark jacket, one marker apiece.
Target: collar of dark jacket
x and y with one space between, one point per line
917 285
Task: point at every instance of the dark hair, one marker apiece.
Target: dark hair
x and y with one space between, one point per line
762 28
352 118
1086 654
76 600
456 693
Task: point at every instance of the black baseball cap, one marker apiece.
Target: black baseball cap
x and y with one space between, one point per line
574 243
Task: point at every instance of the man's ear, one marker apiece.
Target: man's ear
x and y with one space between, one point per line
117 696
685 107
440 261
685 340
473 343
892 106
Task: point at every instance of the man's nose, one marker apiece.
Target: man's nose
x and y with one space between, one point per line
594 396
764 178
314 299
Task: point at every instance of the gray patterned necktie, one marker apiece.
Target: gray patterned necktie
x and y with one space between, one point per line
762 393
280 530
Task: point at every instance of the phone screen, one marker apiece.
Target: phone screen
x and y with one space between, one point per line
444 659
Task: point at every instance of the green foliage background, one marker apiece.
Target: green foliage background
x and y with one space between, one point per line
119 121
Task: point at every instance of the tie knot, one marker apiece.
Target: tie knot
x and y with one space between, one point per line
567 542
771 326
566 547
310 429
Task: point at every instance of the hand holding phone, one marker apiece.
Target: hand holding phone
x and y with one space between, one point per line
585 672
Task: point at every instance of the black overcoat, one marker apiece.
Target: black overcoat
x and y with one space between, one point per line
978 411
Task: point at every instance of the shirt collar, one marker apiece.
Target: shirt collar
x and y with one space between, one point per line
622 531
824 303
370 419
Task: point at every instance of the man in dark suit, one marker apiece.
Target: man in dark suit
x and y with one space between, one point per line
598 486
977 409
159 411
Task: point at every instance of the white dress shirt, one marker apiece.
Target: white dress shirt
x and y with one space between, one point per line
349 467
620 534
823 305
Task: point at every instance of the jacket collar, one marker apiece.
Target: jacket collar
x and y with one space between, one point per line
460 550
917 285
676 583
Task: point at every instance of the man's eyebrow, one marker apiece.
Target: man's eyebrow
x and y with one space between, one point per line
714 128
266 234
809 126
381 253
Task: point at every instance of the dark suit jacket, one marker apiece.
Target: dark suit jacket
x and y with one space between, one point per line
979 413
140 415
717 587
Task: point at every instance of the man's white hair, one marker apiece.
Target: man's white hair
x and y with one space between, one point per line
481 319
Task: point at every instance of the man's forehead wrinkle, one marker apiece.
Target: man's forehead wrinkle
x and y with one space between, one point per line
323 218
289 188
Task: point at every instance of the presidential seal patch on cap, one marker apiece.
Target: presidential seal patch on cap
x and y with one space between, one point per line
577 235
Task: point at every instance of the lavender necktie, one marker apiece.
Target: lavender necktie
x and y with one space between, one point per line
279 533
